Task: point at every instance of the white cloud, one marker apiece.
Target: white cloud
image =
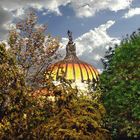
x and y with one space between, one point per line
88 8
116 5
83 8
19 12
132 12
91 46
9 10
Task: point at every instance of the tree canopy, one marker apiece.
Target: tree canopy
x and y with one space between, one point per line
120 83
27 114
34 50
69 116
76 116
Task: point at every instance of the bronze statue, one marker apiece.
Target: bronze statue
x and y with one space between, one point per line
70 36
70 48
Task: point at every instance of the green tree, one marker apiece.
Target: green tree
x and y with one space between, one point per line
120 83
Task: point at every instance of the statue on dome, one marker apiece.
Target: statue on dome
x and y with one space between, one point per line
70 36
70 48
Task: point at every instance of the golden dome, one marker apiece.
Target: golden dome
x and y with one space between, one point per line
73 69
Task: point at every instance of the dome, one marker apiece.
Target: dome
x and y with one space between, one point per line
72 68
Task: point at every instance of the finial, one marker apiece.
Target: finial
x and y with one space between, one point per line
70 36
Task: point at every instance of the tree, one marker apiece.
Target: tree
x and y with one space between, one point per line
121 88
75 116
33 49
10 77
69 116
12 87
20 113
22 66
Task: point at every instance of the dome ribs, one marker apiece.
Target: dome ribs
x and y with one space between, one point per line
90 72
95 74
57 74
66 69
80 72
87 72
70 72
74 72
84 71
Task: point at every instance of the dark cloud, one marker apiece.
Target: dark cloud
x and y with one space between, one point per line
5 17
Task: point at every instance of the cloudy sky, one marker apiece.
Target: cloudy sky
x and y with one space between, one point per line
96 24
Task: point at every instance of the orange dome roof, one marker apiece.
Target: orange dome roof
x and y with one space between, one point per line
72 68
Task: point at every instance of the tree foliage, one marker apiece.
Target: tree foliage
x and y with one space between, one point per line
121 86
61 112
74 116
69 116
22 63
12 87
10 77
20 114
34 50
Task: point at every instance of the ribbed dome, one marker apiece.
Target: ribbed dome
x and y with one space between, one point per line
72 68
75 70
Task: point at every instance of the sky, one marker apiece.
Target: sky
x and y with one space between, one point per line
96 24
